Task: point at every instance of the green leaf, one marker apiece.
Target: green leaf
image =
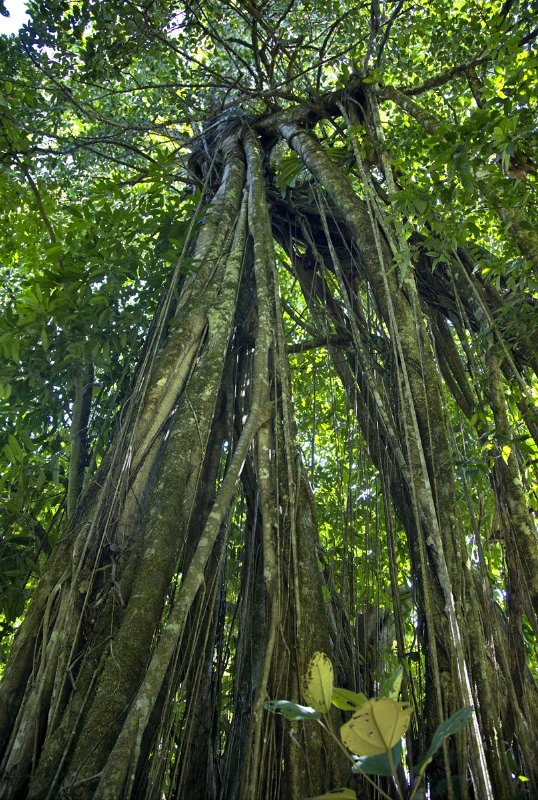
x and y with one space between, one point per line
54 250
287 170
347 700
26 440
336 154
292 711
12 346
391 685
379 765
336 794
15 448
451 725
45 339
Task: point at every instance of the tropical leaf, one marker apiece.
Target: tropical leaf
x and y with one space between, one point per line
391 685
291 711
348 700
379 765
376 727
453 724
318 682
287 171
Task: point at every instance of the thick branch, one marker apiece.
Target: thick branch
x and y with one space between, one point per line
78 436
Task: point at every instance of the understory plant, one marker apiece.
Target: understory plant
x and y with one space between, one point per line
372 738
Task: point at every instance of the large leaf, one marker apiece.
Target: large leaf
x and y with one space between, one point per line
391 685
292 711
348 700
376 727
318 682
379 765
451 725
287 171
336 794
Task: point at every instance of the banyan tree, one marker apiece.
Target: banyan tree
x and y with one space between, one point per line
270 347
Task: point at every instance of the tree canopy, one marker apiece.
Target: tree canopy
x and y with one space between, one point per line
268 390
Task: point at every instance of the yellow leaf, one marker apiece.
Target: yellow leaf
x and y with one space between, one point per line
347 700
318 682
336 794
376 727
506 453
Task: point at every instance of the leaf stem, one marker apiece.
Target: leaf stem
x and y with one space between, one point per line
394 774
348 756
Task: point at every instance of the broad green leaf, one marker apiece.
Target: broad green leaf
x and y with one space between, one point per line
45 339
53 250
451 725
291 711
13 347
336 154
26 440
15 448
391 686
336 794
287 170
348 700
318 682
379 765
376 727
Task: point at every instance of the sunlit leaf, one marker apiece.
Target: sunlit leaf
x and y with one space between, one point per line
376 727
318 682
348 700
336 794
45 339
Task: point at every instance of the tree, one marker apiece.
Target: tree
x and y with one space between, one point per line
252 248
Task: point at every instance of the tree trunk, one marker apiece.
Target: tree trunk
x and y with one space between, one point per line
186 591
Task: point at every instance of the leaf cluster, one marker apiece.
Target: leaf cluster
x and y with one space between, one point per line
374 732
